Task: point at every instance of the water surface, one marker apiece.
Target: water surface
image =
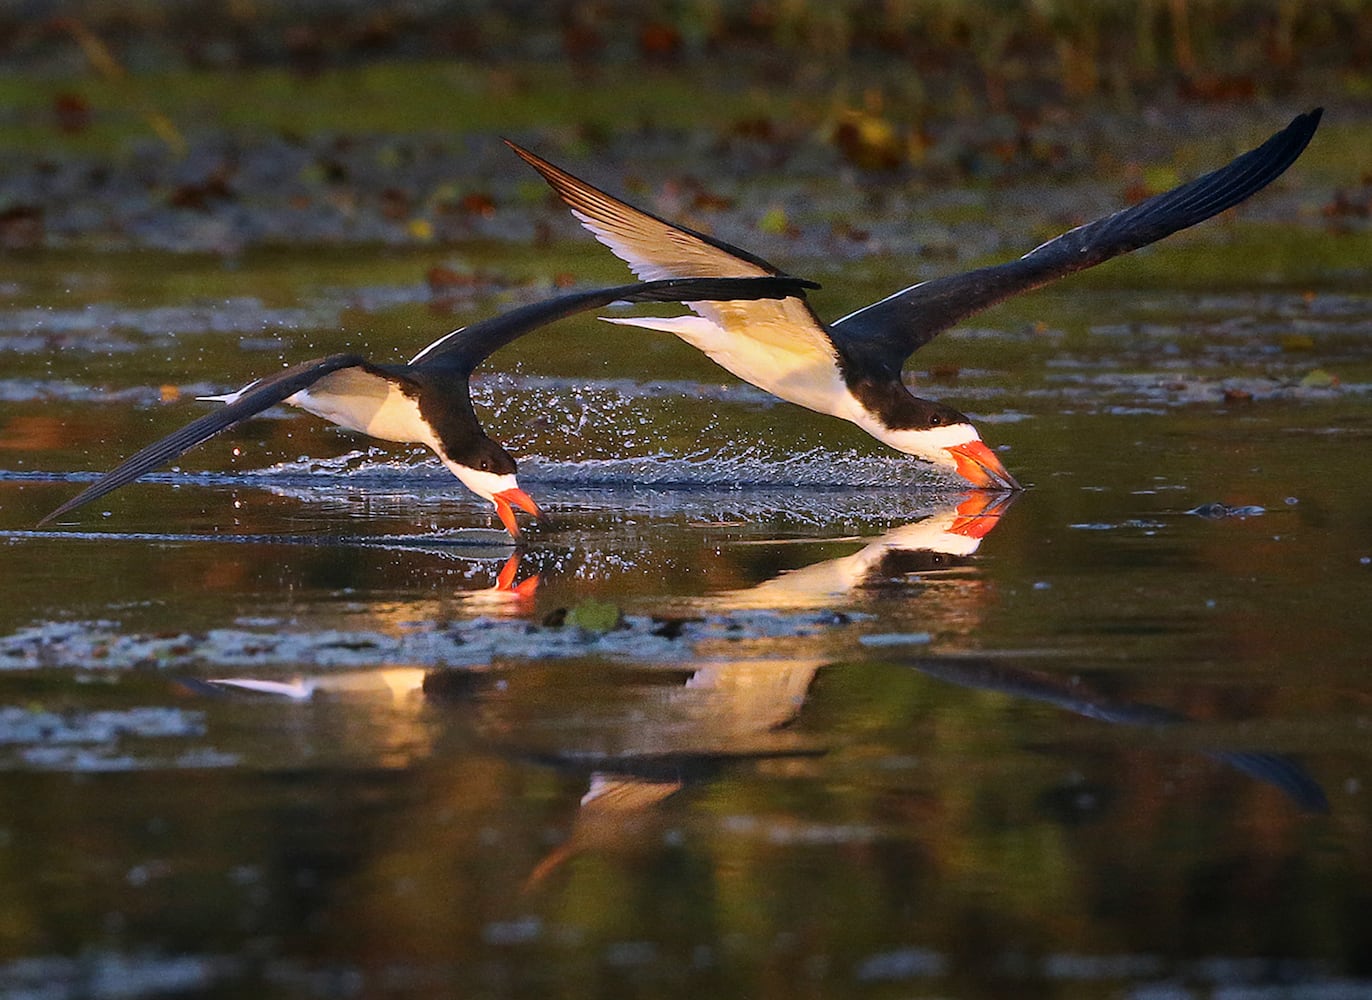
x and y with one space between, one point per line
765 710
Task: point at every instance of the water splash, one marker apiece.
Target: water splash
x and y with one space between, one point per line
741 468
814 487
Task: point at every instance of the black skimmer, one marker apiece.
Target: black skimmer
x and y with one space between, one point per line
851 367
427 401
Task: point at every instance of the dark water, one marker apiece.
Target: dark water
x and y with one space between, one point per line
285 726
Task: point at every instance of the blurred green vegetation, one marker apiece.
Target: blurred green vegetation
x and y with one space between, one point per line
404 67
1079 45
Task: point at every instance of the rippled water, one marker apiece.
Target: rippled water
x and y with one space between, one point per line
763 710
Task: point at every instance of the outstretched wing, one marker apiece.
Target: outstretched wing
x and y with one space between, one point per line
655 248
887 332
462 350
250 401
652 247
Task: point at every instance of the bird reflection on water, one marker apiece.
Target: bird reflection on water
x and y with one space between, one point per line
637 735
946 539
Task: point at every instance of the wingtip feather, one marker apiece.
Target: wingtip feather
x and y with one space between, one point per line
81 499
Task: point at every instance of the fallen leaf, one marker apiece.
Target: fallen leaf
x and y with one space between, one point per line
773 221
595 616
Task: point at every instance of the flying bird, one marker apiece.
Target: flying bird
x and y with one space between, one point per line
428 400
851 368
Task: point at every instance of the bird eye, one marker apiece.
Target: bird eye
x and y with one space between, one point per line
485 465
935 420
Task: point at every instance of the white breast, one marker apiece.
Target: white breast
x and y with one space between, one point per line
360 401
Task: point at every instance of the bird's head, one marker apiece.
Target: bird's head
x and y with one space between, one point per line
487 470
947 439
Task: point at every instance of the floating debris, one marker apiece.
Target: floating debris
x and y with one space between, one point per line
1217 511
597 616
109 974
95 740
23 725
896 639
99 645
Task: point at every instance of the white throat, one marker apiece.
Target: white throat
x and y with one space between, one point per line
929 443
484 484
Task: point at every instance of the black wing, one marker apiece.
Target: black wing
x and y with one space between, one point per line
887 332
1278 770
253 400
462 350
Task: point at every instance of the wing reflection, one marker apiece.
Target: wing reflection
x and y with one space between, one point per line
731 709
638 744
1278 770
626 738
397 685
